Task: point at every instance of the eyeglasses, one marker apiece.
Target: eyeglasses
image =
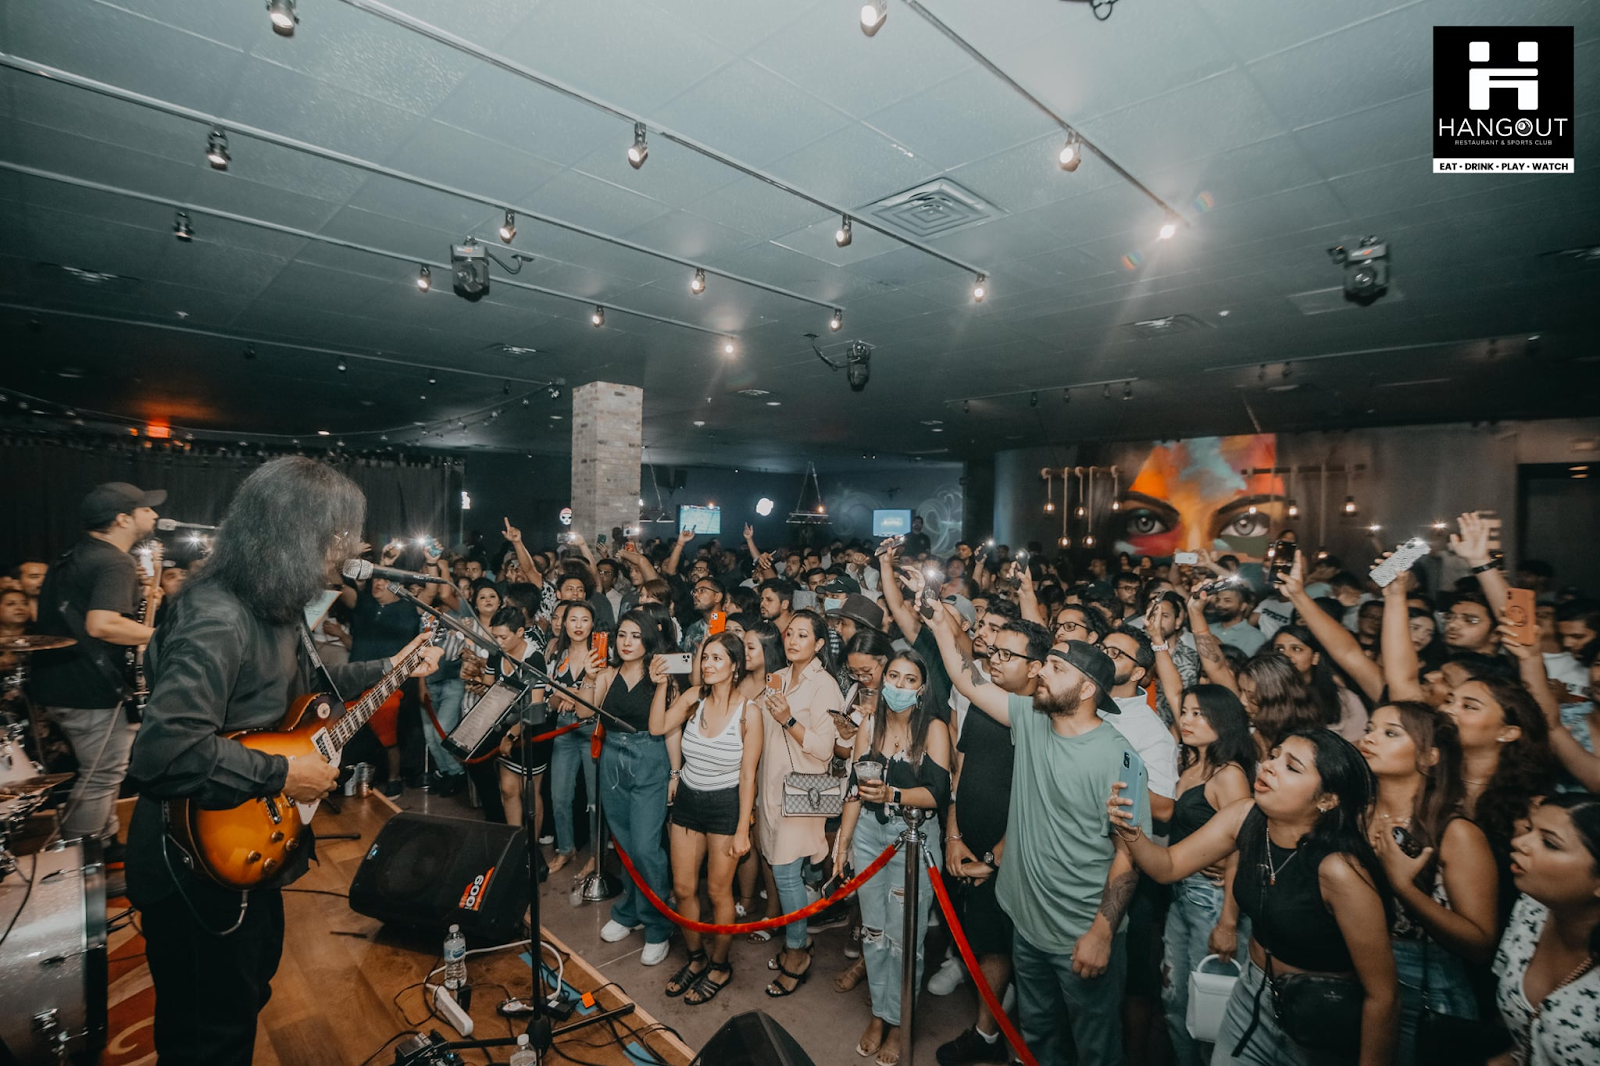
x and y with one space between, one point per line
1005 655
1114 653
1464 619
1070 626
863 676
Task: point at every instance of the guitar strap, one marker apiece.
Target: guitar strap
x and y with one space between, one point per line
75 621
317 665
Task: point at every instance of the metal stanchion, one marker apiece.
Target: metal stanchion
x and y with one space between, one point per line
911 843
596 887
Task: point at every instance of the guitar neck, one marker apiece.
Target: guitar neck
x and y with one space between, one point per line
360 714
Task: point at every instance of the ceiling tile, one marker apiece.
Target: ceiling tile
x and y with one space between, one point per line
286 102
1219 113
461 160
734 109
671 174
598 205
690 237
962 119
756 207
853 167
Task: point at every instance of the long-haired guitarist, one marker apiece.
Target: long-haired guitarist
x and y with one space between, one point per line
229 657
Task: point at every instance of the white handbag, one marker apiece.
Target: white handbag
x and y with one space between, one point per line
1210 985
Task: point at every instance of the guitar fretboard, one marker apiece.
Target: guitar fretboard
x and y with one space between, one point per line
356 717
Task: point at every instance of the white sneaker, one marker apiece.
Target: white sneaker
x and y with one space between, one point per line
654 954
948 978
612 932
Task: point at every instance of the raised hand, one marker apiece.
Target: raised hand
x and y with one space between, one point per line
1472 543
685 536
749 531
1293 583
512 533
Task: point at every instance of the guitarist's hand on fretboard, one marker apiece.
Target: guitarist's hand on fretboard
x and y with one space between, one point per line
429 658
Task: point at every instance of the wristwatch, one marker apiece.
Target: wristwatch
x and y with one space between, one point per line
1492 564
894 796
790 724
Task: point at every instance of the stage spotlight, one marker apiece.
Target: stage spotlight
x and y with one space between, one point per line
764 507
217 150
836 323
555 392
698 284
424 278
859 366
640 150
1071 153
980 288
508 228
842 236
873 15
1366 269
181 228
598 317
469 264
284 20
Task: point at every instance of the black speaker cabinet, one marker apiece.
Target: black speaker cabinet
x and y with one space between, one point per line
752 1039
426 872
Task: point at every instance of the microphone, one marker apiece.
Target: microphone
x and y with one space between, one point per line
167 525
361 570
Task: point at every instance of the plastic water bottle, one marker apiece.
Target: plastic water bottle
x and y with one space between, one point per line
524 1055
455 959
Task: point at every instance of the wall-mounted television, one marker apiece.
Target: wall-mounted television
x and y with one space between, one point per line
707 520
890 523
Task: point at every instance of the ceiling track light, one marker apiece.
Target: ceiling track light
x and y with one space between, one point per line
424 278
341 366
727 347
873 15
284 20
508 228
836 323
980 288
1033 399
1127 391
1071 153
1105 391
698 284
1066 395
217 149
1169 228
639 151
181 228
597 317
555 392
842 236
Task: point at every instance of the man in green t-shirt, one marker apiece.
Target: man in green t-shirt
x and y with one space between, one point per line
1062 880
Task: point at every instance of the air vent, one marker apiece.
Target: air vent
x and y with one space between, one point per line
91 278
509 349
1588 255
933 210
1151 328
753 393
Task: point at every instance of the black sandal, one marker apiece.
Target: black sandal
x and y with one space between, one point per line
777 991
706 988
776 962
685 978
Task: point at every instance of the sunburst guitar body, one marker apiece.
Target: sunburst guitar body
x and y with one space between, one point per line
250 845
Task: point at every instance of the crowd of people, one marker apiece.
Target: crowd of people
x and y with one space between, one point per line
1378 801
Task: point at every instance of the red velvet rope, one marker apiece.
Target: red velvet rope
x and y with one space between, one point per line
1013 1037
766 923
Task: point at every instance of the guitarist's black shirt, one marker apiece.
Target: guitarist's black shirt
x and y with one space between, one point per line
97 577
214 667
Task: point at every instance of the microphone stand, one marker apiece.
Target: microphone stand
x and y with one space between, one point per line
540 1033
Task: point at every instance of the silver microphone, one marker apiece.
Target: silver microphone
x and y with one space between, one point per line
167 525
361 570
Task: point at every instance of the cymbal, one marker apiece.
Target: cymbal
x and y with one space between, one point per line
33 642
30 786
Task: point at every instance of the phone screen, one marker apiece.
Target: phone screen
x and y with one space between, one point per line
1283 553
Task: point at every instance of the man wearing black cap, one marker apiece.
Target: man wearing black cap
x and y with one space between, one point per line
91 595
1061 880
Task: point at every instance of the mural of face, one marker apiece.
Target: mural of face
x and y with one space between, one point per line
1193 494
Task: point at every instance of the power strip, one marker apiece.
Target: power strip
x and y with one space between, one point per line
445 1005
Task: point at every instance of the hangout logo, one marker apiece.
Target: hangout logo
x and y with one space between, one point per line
1503 99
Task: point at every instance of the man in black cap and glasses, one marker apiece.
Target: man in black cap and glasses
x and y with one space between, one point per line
92 596
1061 879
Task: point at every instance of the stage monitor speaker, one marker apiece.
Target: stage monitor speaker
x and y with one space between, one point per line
428 872
752 1039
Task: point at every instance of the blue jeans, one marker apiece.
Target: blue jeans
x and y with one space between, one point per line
102 741
570 751
1196 905
447 695
1269 1045
633 779
792 896
1449 990
1061 1012
883 908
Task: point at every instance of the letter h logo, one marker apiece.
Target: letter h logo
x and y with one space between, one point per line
1480 80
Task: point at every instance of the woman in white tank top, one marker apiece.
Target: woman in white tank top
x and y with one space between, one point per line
714 747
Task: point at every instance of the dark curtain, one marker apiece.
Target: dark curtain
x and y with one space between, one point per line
42 482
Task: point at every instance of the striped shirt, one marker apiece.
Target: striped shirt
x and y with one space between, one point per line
711 764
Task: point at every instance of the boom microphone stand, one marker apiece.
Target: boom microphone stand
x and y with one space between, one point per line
539 1026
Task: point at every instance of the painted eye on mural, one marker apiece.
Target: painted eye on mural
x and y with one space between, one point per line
1143 523
1246 524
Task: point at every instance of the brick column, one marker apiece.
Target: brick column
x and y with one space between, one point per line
606 427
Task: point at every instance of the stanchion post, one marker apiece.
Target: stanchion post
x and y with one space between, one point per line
596 887
911 936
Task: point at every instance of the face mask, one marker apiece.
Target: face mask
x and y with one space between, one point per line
899 699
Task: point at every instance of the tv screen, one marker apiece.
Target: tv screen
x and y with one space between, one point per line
890 523
700 519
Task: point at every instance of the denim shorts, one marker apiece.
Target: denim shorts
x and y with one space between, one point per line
714 813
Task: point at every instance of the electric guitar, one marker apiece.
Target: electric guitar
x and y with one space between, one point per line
249 845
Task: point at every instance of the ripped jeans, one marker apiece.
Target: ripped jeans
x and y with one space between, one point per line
883 909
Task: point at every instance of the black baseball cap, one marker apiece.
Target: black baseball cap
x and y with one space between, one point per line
105 502
1097 666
